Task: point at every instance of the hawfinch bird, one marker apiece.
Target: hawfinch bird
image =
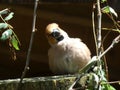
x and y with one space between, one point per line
66 55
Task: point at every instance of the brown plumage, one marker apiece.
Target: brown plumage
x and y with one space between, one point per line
66 55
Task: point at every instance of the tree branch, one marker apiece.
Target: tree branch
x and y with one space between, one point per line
94 60
99 16
26 68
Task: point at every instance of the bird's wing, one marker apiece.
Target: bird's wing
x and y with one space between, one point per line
80 52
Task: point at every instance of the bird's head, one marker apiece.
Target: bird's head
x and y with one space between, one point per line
54 33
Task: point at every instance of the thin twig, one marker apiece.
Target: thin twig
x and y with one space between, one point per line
93 25
110 15
113 82
99 15
114 42
99 43
105 64
112 29
115 23
93 61
76 81
26 68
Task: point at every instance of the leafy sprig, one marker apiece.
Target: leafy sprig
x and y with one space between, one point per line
7 33
94 76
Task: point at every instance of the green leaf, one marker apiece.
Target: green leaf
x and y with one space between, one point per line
103 1
113 11
108 9
111 88
5 11
91 80
94 80
107 87
10 16
3 25
15 43
6 34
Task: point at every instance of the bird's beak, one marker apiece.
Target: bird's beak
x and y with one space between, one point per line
57 35
53 33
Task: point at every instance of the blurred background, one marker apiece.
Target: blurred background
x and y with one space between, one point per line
74 16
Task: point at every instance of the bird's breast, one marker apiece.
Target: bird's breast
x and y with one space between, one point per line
68 57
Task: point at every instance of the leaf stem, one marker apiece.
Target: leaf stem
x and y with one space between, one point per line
93 25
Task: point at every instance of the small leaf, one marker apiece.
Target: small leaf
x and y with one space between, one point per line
15 43
6 34
113 11
5 11
104 1
108 9
3 25
111 88
94 80
107 87
10 16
